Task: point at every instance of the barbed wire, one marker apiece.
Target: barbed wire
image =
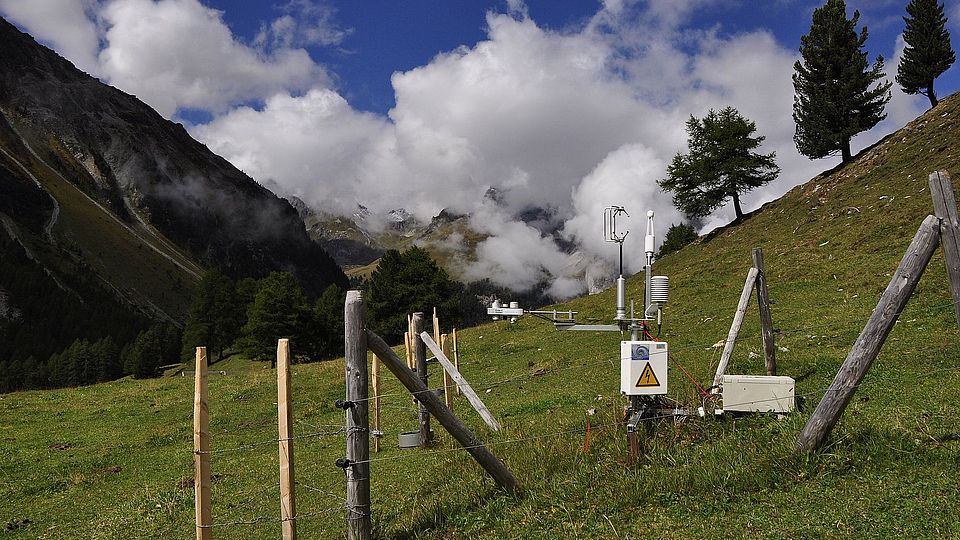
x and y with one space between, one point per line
272 519
251 446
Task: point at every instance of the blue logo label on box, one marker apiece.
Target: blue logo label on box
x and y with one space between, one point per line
639 352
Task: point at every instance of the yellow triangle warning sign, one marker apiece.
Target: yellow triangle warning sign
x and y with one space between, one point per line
647 377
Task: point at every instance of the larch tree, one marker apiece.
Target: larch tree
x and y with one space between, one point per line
928 52
722 163
838 94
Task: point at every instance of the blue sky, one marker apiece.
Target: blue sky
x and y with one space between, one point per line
567 105
385 36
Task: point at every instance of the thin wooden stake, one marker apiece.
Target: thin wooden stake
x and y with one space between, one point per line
288 500
867 346
766 321
945 208
420 355
472 396
447 383
494 467
735 327
201 449
376 402
456 356
358 426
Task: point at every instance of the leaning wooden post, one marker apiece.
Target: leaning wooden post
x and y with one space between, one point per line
447 383
288 500
357 465
472 396
376 402
494 467
420 356
735 327
867 346
456 355
201 449
766 321
945 208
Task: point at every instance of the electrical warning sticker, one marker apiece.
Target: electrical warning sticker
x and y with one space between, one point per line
647 377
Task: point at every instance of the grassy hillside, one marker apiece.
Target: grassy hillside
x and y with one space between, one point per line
132 259
109 461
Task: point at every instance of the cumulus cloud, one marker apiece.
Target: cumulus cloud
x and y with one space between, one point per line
65 24
178 54
309 145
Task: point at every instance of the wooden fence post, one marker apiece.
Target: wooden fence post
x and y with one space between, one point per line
867 346
766 321
456 355
288 500
420 357
357 467
447 382
945 208
472 396
409 350
376 402
735 327
494 467
201 449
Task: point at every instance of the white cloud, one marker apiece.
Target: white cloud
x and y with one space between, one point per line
64 24
626 177
179 54
313 146
304 22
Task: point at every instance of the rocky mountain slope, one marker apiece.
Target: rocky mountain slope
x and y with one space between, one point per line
100 194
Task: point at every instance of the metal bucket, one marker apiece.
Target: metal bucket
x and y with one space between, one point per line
411 439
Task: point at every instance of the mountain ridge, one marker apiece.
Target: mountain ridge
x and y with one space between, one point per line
106 206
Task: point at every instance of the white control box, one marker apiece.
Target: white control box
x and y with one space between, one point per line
643 368
758 393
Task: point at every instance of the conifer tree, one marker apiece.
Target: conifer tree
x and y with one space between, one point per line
721 164
928 52
214 318
837 93
407 282
279 310
678 236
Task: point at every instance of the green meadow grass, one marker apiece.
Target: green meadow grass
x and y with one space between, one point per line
114 460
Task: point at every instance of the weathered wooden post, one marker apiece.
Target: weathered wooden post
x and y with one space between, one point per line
766 321
456 355
945 208
288 501
357 464
871 339
420 357
735 327
494 467
376 402
201 449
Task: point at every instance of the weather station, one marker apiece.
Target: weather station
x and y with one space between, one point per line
643 358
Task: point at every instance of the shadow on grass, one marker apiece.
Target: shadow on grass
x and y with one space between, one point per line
440 515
